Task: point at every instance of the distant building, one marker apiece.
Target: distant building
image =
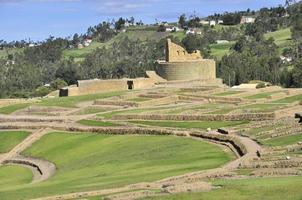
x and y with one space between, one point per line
212 23
80 46
173 29
247 20
204 22
222 41
220 21
194 31
286 59
87 42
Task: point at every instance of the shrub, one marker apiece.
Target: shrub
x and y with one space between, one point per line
41 91
261 85
58 84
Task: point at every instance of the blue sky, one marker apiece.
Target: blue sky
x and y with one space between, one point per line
37 19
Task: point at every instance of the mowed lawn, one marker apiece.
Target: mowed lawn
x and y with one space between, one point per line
283 140
13 108
248 189
74 100
191 124
290 99
13 176
9 139
94 161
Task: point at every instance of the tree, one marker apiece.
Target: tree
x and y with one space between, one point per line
119 24
182 20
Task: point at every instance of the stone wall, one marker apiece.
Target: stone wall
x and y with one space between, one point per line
176 53
205 117
193 70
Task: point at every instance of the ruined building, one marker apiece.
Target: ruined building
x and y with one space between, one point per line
178 66
181 65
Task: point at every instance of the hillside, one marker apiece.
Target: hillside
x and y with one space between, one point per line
132 34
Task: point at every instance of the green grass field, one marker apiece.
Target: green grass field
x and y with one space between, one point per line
227 93
282 38
262 107
284 140
94 161
290 99
74 100
261 95
97 123
199 125
13 176
13 108
9 139
219 50
256 189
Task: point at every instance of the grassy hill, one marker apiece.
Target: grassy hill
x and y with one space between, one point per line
133 34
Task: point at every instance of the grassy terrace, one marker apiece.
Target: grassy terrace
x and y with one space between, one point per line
256 189
97 123
261 95
13 108
263 107
283 140
290 99
73 101
9 139
113 161
198 125
227 93
139 99
133 111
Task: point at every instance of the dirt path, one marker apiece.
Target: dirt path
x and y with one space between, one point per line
42 169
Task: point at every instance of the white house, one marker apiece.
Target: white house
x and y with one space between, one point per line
220 21
222 41
190 31
204 22
87 42
286 59
172 29
247 20
212 23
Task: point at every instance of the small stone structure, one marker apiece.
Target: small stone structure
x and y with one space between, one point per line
94 86
181 65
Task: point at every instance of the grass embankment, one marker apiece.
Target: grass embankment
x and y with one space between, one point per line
256 189
198 125
97 123
93 161
71 102
9 139
13 108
